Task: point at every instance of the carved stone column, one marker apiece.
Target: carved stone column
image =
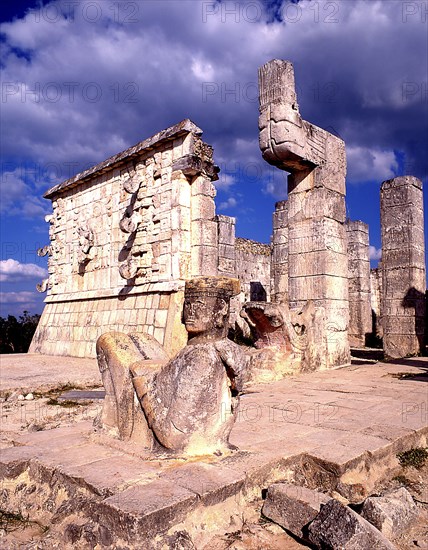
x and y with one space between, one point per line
403 266
360 317
317 255
279 265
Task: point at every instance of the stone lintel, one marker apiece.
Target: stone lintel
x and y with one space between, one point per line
162 286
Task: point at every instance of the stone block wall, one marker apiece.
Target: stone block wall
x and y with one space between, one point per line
247 260
226 246
73 327
316 213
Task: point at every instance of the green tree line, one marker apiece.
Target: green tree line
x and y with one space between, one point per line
16 334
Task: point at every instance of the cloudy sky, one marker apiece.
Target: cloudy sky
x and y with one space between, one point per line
85 79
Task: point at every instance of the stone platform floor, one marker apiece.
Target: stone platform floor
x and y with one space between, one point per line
336 431
29 372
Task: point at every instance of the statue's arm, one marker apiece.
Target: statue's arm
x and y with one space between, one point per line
234 360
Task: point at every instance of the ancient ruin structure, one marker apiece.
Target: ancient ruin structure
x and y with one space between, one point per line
128 233
360 312
317 255
188 404
403 266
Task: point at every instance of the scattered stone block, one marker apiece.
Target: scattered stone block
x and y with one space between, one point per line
337 526
293 506
390 513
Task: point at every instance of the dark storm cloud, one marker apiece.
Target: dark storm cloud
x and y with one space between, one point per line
83 80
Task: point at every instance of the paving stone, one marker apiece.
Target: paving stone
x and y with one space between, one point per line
293 507
14 460
150 509
268 452
68 435
38 372
108 476
63 454
212 484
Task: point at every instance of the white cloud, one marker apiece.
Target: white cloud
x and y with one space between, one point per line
184 43
148 62
22 297
375 253
203 71
20 198
224 182
12 270
15 303
277 185
231 202
366 164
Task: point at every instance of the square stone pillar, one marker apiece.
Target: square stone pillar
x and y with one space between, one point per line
403 266
376 300
226 245
317 255
279 264
360 317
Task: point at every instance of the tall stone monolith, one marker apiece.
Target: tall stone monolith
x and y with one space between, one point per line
317 255
360 315
403 266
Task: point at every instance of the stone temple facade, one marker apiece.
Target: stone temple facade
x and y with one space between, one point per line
128 233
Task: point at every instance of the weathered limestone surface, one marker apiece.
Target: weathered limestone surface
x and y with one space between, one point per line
188 404
226 246
390 513
403 266
317 255
121 414
279 263
360 318
376 299
292 506
337 526
253 269
125 235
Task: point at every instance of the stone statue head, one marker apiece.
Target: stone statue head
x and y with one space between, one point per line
207 306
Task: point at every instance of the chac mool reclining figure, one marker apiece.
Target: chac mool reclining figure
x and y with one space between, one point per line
187 404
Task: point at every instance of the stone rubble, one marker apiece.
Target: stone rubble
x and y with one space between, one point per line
391 513
337 526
